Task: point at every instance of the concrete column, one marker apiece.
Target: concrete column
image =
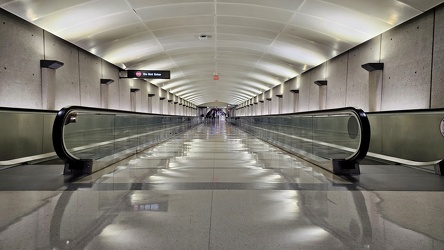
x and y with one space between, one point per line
133 100
104 96
175 104
161 106
322 96
48 88
296 102
279 103
375 90
104 92
270 106
150 103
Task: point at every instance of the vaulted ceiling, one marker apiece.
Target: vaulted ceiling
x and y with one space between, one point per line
252 45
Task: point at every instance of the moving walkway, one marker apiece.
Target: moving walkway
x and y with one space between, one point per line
89 139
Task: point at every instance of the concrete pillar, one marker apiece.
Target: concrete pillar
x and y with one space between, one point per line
161 99
104 96
279 103
375 90
48 88
296 102
150 103
104 92
375 79
322 93
322 96
133 99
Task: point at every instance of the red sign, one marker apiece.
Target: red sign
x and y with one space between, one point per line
215 77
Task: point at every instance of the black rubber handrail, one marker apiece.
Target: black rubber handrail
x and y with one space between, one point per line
10 109
405 111
364 145
57 135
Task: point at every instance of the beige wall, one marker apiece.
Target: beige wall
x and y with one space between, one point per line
20 77
413 75
23 84
413 55
437 89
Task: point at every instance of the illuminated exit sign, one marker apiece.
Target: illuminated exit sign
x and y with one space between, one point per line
146 74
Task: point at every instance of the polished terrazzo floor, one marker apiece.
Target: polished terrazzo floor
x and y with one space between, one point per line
216 187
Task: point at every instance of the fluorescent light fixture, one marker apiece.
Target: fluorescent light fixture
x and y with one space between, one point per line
321 82
373 66
50 64
106 81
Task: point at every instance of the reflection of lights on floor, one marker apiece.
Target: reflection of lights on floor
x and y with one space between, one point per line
134 161
115 231
309 233
273 178
286 202
155 178
120 168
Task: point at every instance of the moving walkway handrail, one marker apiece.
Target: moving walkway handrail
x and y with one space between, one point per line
108 119
342 118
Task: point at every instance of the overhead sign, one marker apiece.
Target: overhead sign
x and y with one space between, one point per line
148 74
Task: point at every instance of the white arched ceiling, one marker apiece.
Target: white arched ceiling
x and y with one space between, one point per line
253 45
